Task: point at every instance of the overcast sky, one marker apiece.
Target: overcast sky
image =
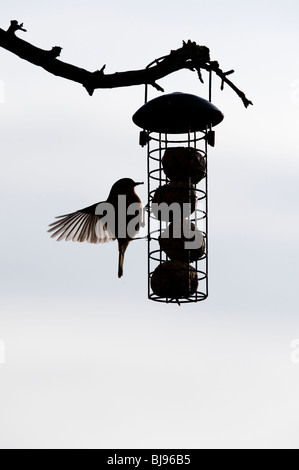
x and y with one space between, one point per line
89 360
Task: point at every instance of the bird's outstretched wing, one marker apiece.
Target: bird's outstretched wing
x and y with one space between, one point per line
82 226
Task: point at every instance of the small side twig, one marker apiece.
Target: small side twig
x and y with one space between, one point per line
15 26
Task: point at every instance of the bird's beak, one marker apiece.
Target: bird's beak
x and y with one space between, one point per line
137 184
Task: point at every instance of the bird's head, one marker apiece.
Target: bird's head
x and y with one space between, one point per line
124 186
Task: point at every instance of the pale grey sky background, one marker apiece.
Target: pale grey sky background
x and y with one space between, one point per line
90 362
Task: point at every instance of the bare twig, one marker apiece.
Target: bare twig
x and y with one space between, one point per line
190 56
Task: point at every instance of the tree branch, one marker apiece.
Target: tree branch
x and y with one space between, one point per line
190 56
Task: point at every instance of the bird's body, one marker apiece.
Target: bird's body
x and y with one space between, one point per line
117 218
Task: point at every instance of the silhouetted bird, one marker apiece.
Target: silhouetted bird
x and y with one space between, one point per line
119 217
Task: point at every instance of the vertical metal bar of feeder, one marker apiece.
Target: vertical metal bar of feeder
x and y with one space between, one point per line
160 184
148 220
189 215
195 217
207 218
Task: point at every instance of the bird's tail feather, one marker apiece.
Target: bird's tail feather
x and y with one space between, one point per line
122 249
120 264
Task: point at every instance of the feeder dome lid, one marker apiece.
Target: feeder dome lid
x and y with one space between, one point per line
177 113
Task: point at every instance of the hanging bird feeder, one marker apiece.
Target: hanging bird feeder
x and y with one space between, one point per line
177 129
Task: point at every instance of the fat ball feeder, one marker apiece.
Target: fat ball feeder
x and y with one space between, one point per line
177 129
